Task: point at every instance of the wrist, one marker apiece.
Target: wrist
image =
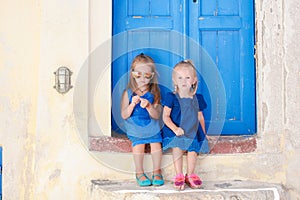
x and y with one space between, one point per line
148 105
175 129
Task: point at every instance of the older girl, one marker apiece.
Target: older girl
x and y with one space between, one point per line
140 107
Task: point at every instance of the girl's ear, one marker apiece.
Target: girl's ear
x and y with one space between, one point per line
175 88
193 86
173 81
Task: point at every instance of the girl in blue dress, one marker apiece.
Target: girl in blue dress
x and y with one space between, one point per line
182 114
141 109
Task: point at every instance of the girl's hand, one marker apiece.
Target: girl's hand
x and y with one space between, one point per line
208 137
144 103
135 99
179 131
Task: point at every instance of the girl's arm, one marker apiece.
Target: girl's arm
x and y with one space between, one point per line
169 123
202 121
154 109
126 108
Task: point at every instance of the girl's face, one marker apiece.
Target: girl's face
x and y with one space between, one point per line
142 74
184 78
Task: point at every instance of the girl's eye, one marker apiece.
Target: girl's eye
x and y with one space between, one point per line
148 75
137 75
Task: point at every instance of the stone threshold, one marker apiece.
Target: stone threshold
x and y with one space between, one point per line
218 144
235 190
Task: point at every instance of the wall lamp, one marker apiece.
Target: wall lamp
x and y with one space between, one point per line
62 80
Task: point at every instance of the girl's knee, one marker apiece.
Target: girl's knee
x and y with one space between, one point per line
155 147
192 153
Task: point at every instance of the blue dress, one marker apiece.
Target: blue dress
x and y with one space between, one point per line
184 114
140 127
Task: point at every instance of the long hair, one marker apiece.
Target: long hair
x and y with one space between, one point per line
153 84
188 64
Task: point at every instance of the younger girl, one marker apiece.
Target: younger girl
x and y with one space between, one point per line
181 115
140 107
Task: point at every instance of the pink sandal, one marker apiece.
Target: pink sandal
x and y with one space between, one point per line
179 182
193 181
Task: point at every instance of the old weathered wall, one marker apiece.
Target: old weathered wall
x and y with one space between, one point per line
19 67
291 95
44 153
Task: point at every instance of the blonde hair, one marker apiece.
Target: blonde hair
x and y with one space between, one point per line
153 84
187 64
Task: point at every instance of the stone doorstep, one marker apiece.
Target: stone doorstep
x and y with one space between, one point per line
231 190
219 145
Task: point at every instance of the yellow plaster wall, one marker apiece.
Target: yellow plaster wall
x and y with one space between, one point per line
43 154
19 67
64 168
100 34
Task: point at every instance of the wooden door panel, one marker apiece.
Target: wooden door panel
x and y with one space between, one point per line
226 32
223 29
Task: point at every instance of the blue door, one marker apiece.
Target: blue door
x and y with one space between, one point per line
152 27
218 35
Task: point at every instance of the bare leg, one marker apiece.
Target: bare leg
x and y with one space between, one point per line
177 159
138 157
191 178
156 153
191 162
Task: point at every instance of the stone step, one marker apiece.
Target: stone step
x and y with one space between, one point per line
226 190
219 145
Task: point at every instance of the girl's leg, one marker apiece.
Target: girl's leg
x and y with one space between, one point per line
177 159
138 157
191 178
191 162
156 153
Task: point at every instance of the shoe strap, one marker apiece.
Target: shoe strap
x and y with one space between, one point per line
158 175
140 176
193 176
179 177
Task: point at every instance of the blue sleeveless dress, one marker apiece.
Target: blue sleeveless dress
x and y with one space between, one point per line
140 127
184 114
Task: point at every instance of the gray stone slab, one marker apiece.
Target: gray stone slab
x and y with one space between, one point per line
227 190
